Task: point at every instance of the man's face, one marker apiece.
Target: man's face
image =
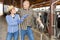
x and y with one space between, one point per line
26 4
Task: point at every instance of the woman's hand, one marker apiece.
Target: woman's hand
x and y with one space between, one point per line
24 16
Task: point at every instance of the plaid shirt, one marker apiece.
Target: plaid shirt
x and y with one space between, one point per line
29 21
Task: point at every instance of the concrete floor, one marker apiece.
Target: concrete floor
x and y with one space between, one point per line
3 31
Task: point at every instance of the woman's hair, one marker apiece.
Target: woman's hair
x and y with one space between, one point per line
9 12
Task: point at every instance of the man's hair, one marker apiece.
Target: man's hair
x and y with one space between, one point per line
26 0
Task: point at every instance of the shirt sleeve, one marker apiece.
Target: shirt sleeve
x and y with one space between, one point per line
34 14
19 12
9 21
20 20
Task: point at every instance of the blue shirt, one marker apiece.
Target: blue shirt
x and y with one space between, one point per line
13 23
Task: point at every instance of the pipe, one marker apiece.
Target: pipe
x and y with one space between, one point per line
38 4
53 23
53 4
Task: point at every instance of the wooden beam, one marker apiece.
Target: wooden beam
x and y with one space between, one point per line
1 0
21 1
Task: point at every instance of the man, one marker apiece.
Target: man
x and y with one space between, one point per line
28 22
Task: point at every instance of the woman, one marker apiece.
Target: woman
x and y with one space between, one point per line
13 20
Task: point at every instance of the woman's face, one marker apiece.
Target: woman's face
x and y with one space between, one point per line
13 11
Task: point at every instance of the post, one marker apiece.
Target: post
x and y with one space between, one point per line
21 2
52 20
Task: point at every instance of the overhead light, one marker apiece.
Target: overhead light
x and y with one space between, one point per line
1 9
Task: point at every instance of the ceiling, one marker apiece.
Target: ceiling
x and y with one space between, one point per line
1 0
18 2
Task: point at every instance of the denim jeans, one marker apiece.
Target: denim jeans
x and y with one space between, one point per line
11 35
27 32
